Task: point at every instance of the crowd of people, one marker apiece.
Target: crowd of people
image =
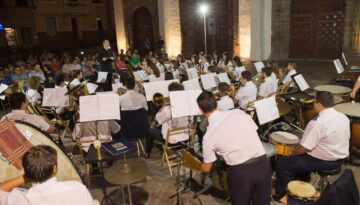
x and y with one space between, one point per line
230 131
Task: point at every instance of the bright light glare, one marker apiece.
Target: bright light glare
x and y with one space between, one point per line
204 9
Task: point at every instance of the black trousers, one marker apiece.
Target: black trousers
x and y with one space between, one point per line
153 134
250 183
299 167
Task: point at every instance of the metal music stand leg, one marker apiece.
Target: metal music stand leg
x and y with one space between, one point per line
106 198
129 193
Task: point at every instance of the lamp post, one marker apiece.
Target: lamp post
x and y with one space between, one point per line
204 10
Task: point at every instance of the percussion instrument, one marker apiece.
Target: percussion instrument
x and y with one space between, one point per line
66 169
284 142
269 149
300 192
334 89
355 133
126 173
284 108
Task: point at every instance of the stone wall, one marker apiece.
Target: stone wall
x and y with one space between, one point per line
351 43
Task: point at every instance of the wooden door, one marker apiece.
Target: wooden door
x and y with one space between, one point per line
142 28
316 29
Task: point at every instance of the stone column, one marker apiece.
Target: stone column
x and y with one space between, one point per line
351 42
120 25
169 26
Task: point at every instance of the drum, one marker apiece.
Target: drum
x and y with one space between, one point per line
334 89
66 169
284 142
301 193
355 133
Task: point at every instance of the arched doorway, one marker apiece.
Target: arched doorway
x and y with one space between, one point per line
142 28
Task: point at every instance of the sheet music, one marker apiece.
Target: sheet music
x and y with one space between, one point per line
101 77
343 56
339 67
239 70
2 97
192 84
143 75
301 82
266 110
3 87
192 73
116 86
55 97
137 76
109 106
99 107
157 87
208 81
259 65
89 108
224 78
91 87
183 103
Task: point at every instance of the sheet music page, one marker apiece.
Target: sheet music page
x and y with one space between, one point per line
116 86
109 106
259 65
192 73
137 76
3 87
143 75
101 77
48 97
266 110
339 67
183 103
89 108
55 97
91 87
2 97
224 78
157 87
239 70
343 56
192 84
208 81
301 82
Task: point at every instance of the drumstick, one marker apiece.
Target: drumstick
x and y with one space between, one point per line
296 127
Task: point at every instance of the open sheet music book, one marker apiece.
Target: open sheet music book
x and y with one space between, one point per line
208 81
141 76
157 87
3 87
91 87
99 107
300 82
224 78
339 67
183 103
259 66
192 84
115 86
102 76
266 110
192 73
55 97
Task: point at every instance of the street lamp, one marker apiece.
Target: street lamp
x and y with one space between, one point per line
204 10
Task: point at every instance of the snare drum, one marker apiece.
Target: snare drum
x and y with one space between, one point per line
284 142
301 193
66 169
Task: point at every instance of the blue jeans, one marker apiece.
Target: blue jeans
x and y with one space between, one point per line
294 167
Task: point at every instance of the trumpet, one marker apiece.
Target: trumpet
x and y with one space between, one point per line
159 99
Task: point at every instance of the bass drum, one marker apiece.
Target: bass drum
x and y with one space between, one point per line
66 169
355 131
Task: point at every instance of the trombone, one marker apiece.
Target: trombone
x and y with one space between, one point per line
159 100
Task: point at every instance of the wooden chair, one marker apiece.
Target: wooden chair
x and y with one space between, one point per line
169 150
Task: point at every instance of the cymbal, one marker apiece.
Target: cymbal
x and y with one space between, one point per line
120 174
284 108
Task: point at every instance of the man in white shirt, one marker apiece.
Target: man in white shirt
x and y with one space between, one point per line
355 88
40 167
204 65
156 63
225 102
324 145
77 77
132 100
248 92
287 81
233 135
164 118
19 108
269 86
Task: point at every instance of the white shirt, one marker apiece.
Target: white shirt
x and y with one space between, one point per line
232 135
50 192
225 103
246 94
160 67
74 83
29 118
327 136
38 74
358 78
33 96
273 76
164 118
238 71
153 78
268 87
132 100
205 67
288 79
